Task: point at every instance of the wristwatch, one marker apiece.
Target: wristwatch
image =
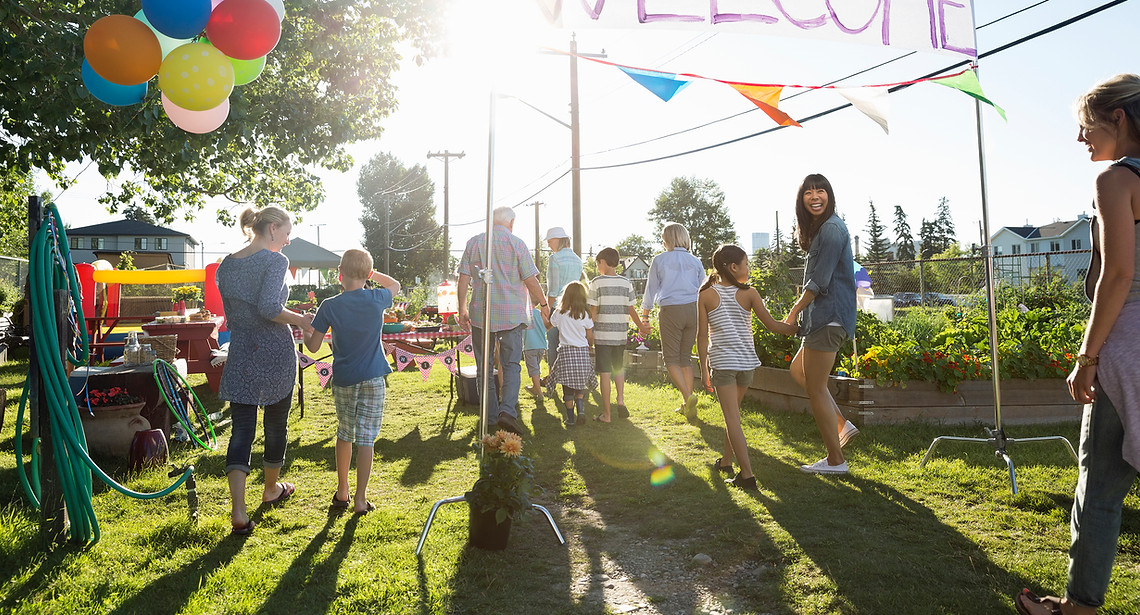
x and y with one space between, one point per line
1084 360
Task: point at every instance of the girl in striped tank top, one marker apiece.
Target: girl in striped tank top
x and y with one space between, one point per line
727 350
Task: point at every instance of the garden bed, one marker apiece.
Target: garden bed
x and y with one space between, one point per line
864 402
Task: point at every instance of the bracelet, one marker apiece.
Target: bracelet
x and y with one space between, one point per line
541 305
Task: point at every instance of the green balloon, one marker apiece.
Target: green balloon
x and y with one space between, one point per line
244 70
247 70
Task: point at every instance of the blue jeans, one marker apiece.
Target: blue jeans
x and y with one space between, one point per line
1104 480
510 344
275 425
551 346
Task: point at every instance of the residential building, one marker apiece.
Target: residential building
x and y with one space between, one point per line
155 247
1060 245
636 270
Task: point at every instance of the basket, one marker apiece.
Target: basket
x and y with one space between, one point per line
165 347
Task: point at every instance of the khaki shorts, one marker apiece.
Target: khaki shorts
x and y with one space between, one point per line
826 339
678 324
726 377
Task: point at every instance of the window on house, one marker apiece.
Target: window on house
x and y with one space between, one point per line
76 243
1054 246
997 250
159 243
1033 249
140 243
1015 249
98 243
1076 244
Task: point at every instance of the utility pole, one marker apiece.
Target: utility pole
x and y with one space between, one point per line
446 156
388 235
537 231
318 231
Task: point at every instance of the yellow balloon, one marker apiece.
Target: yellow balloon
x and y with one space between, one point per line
196 77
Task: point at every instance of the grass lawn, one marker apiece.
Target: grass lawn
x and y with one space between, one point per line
886 539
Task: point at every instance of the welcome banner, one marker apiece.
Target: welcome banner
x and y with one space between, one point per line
919 25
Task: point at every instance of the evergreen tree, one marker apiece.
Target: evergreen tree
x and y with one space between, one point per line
945 226
903 238
878 248
928 237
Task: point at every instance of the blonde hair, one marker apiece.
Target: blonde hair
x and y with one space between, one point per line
258 220
573 300
356 264
676 236
1119 92
561 243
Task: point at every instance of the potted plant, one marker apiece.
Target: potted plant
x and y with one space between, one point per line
110 419
502 491
187 296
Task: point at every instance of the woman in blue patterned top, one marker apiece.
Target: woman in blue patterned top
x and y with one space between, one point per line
262 364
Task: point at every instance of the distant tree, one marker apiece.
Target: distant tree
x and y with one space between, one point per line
945 224
138 212
398 208
637 245
903 238
928 237
698 204
15 188
878 247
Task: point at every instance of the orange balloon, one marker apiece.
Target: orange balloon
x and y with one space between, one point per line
122 50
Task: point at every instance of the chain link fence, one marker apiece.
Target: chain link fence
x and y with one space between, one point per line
13 270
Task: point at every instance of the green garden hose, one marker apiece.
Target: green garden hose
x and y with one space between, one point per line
50 269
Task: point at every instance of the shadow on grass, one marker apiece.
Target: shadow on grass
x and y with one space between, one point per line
424 455
310 583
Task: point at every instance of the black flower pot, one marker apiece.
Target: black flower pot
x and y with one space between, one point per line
484 533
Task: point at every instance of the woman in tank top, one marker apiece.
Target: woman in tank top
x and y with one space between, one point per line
1107 375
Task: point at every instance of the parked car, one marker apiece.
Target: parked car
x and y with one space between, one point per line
907 299
936 299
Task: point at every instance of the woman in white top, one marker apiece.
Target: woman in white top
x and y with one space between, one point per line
728 351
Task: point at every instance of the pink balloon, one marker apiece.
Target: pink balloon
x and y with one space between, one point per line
197 122
244 29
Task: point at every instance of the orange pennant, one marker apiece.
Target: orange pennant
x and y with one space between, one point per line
768 99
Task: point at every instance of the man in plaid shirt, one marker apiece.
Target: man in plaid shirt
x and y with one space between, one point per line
514 276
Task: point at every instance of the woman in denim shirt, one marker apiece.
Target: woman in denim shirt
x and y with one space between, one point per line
826 312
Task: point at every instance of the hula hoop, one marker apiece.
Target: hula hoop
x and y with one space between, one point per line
162 377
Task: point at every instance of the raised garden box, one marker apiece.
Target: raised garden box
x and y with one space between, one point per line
864 402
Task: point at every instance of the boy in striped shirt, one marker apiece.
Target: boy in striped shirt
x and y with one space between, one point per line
611 302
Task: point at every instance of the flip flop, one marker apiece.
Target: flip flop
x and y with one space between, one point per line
341 504
598 418
622 411
1052 602
287 490
242 530
368 507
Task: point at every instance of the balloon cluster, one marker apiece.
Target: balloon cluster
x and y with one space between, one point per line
195 73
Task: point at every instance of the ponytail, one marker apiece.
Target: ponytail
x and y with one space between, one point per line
258 220
724 257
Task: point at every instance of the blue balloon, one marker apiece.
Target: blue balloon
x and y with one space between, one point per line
177 18
111 93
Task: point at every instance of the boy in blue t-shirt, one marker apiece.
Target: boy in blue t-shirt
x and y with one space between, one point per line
356 317
534 348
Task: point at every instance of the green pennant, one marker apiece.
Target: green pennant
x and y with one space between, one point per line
968 82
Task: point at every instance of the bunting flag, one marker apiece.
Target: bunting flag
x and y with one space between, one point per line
663 85
304 360
403 359
324 372
874 103
467 347
424 363
448 360
767 98
967 82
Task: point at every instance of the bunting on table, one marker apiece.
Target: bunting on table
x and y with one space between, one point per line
425 362
868 99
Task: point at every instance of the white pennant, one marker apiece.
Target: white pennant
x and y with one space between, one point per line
873 102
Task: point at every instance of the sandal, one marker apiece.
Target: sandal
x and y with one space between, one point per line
242 530
598 418
1053 603
622 411
287 490
339 504
368 507
719 466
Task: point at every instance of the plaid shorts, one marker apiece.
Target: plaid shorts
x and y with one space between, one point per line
359 411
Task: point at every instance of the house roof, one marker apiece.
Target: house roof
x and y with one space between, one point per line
129 227
1025 232
629 260
1054 229
309 255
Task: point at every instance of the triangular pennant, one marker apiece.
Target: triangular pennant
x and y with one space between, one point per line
448 360
768 99
425 363
663 85
466 347
967 82
403 359
304 360
324 372
873 102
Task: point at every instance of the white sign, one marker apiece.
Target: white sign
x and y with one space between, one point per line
921 25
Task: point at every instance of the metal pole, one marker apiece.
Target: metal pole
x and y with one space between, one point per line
575 148
446 156
388 236
537 233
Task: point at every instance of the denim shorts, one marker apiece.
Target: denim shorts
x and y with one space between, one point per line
726 377
829 338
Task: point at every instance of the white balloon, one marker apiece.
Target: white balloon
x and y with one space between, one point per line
279 6
197 122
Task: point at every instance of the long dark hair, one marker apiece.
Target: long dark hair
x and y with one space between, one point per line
725 256
807 225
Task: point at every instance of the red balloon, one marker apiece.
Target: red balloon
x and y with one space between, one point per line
244 29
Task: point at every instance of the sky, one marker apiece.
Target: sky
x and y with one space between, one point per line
1035 170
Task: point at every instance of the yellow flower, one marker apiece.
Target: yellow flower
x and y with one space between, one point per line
511 448
491 443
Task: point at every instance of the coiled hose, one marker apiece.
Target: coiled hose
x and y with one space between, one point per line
50 268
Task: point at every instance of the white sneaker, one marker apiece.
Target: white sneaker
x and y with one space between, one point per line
849 431
822 467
